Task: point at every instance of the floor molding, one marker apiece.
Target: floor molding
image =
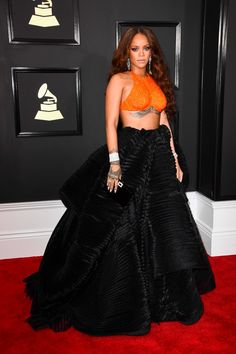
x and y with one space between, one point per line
216 221
25 228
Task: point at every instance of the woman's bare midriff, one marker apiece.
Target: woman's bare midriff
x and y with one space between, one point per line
148 121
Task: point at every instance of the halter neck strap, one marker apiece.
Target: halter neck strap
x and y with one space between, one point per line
139 76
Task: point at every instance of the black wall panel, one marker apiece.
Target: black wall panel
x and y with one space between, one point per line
217 145
208 119
33 168
228 158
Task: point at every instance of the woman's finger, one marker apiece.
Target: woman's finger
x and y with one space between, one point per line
110 184
116 185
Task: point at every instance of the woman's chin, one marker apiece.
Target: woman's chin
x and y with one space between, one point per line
141 65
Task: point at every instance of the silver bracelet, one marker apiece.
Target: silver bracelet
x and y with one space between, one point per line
113 156
175 155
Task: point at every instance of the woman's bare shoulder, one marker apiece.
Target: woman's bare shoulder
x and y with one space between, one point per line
125 75
121 77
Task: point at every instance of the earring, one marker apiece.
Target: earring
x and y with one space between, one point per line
128 64
149 65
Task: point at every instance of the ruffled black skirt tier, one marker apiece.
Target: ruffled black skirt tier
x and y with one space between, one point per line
112 269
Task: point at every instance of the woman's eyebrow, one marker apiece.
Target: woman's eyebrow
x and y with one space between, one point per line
136 45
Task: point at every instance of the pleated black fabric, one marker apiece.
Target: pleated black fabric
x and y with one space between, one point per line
112 269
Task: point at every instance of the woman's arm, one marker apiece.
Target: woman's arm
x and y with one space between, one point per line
113 98
164 120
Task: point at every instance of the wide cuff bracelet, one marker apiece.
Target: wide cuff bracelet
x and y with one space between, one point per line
114 156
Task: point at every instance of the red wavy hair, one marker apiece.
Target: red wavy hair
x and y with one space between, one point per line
160 71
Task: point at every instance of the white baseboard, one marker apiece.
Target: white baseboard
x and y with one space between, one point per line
25 228
216 222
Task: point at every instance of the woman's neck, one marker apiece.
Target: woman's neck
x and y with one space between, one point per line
139 72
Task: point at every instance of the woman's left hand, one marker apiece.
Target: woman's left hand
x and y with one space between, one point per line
179 172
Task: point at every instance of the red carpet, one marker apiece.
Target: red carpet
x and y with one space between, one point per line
214 333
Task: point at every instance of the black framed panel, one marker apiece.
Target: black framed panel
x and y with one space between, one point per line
43 22
47 101
169 37
216 172
226 97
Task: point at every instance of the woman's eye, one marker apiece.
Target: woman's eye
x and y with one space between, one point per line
135 49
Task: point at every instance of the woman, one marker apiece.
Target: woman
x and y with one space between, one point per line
127 251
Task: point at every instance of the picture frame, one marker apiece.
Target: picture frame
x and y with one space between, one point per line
171 48
47 101
43 22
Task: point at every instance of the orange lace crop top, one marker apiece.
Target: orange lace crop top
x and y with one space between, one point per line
145 95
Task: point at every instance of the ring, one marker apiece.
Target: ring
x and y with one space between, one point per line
120 184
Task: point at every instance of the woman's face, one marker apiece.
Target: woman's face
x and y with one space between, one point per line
139 51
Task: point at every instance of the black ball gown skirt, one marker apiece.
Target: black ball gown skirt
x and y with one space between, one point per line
112 269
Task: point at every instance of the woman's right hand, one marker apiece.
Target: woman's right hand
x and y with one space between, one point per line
179 172
113 177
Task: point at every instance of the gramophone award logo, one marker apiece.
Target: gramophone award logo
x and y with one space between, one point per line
43 16
48 108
